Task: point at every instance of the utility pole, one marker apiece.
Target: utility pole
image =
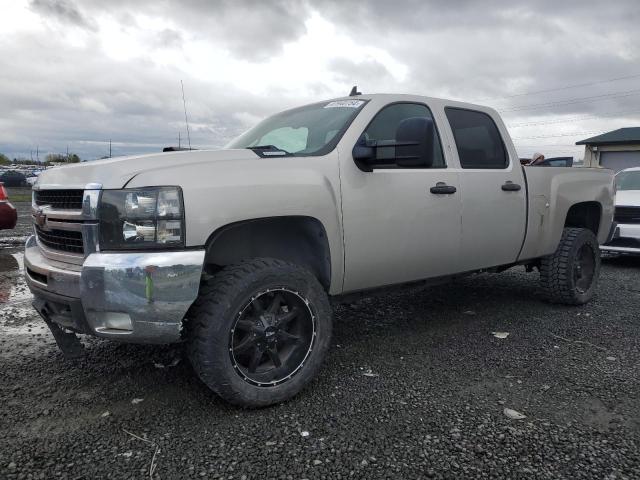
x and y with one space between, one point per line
178 139
67 153
109 148
38 154
186 120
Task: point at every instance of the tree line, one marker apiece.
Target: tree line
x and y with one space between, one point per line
49 159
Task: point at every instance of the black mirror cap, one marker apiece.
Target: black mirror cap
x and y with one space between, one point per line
364 155
418 133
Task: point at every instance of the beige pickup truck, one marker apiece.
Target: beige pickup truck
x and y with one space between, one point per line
238 251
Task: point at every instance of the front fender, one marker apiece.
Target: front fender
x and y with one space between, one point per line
219 194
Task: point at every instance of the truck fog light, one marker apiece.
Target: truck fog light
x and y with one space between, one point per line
111 321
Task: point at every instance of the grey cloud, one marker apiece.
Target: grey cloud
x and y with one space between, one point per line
62 10
355 71
251 29
83 99
477 51
169 38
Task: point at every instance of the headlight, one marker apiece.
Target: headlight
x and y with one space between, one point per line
141 218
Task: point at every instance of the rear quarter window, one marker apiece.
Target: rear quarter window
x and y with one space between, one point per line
477 138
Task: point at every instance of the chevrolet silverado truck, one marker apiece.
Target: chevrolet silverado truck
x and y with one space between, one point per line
238 251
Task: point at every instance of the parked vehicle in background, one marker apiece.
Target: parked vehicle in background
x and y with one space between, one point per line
557 162
12 178
238 251
8 213
626 235
550 162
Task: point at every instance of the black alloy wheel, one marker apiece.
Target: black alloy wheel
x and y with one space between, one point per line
259 331
272 337
570 274
584 268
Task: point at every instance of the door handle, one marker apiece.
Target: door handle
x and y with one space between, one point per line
509 186
442 188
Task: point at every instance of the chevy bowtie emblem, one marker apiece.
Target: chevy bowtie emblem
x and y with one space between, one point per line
40 218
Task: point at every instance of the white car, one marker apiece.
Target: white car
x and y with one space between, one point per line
626 236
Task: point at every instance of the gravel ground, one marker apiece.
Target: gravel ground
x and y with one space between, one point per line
415 386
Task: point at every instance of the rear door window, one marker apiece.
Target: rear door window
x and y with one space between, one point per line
477 139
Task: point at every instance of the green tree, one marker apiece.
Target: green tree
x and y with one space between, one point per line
61 158
54 157
4 160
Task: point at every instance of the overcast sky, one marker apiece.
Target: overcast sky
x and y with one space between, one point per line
77 73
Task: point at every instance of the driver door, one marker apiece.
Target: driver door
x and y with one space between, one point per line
398 226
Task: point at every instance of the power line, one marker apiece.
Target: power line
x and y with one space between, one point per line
575 134
566 87
605 96
572 119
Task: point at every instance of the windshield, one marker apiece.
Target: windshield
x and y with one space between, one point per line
309 130
628 180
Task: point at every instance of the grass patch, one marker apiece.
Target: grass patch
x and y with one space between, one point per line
20 197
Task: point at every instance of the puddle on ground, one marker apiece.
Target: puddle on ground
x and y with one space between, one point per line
15 297
12 242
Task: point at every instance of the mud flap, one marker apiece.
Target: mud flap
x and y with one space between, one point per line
68 342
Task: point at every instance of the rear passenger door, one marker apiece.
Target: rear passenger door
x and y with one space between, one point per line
493 192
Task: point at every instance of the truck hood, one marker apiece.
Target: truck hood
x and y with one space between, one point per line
628 198
117 172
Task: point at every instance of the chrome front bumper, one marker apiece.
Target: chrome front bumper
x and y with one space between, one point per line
625 239
136 297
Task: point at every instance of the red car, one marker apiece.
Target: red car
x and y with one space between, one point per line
8 213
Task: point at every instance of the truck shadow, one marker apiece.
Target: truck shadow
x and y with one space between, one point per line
623 261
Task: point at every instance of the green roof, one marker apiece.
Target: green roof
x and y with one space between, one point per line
622 136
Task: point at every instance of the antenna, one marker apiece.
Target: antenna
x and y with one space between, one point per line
354 91
186 120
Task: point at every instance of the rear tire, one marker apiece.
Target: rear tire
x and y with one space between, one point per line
570 275
259 331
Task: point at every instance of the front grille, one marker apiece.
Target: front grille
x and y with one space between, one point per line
627 215
60 199
62 240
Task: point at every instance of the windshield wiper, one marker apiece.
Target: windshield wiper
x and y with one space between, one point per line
269 150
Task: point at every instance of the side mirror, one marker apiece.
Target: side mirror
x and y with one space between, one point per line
414 142
412 147
364 154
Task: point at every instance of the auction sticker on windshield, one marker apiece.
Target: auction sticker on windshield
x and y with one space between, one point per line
344 103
